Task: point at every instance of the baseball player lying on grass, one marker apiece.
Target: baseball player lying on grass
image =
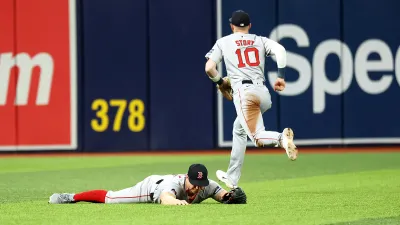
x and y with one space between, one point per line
181 189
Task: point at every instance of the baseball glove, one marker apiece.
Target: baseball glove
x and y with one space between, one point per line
226 89
235 196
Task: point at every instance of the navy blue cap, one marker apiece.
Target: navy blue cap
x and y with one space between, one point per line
240 18
198 175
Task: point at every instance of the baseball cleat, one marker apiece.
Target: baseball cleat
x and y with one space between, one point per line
222 176
288 144
61 198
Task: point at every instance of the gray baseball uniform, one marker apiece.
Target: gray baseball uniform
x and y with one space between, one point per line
150 189
244 56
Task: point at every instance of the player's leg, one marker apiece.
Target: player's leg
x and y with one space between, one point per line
232 176
138 193
95 196
250 103
247 105
285 139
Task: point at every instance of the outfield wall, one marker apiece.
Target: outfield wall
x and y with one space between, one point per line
343 69
101 75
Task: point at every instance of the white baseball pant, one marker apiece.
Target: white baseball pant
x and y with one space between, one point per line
251 101
140 193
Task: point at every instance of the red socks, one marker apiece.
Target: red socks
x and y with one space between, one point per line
97 196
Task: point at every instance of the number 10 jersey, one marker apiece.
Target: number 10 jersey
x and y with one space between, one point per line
244 55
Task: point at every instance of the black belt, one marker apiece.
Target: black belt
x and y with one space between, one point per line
247 82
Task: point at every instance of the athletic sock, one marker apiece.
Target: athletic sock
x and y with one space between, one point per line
97 196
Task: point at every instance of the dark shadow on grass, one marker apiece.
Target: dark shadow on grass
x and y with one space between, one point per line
372 221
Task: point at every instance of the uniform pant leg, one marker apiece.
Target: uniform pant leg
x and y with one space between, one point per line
140 193
251 102
237 153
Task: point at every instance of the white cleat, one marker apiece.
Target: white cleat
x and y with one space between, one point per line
288 144
61 198
222 176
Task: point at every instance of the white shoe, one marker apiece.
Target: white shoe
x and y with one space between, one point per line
222 176
57 198
288 144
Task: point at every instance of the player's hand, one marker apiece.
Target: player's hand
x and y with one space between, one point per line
279 84
167 198
226 89
182 202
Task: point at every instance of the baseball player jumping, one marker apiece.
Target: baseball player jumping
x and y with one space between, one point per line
244 56
181 189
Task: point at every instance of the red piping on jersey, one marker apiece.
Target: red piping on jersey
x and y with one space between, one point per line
140 196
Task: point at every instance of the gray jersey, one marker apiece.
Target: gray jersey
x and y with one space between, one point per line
175 184
244 55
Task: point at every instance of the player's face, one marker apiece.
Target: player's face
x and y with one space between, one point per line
193 189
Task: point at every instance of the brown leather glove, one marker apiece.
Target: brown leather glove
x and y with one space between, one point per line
226 89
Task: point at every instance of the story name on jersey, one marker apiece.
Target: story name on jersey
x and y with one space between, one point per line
244 42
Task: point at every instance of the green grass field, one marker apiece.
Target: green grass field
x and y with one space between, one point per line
352 188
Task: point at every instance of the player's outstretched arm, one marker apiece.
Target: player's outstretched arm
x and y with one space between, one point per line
167 198
220 195
234 196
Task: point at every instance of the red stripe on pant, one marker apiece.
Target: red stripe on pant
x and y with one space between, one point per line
141 196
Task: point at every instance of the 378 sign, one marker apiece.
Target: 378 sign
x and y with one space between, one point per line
135 115
37 75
